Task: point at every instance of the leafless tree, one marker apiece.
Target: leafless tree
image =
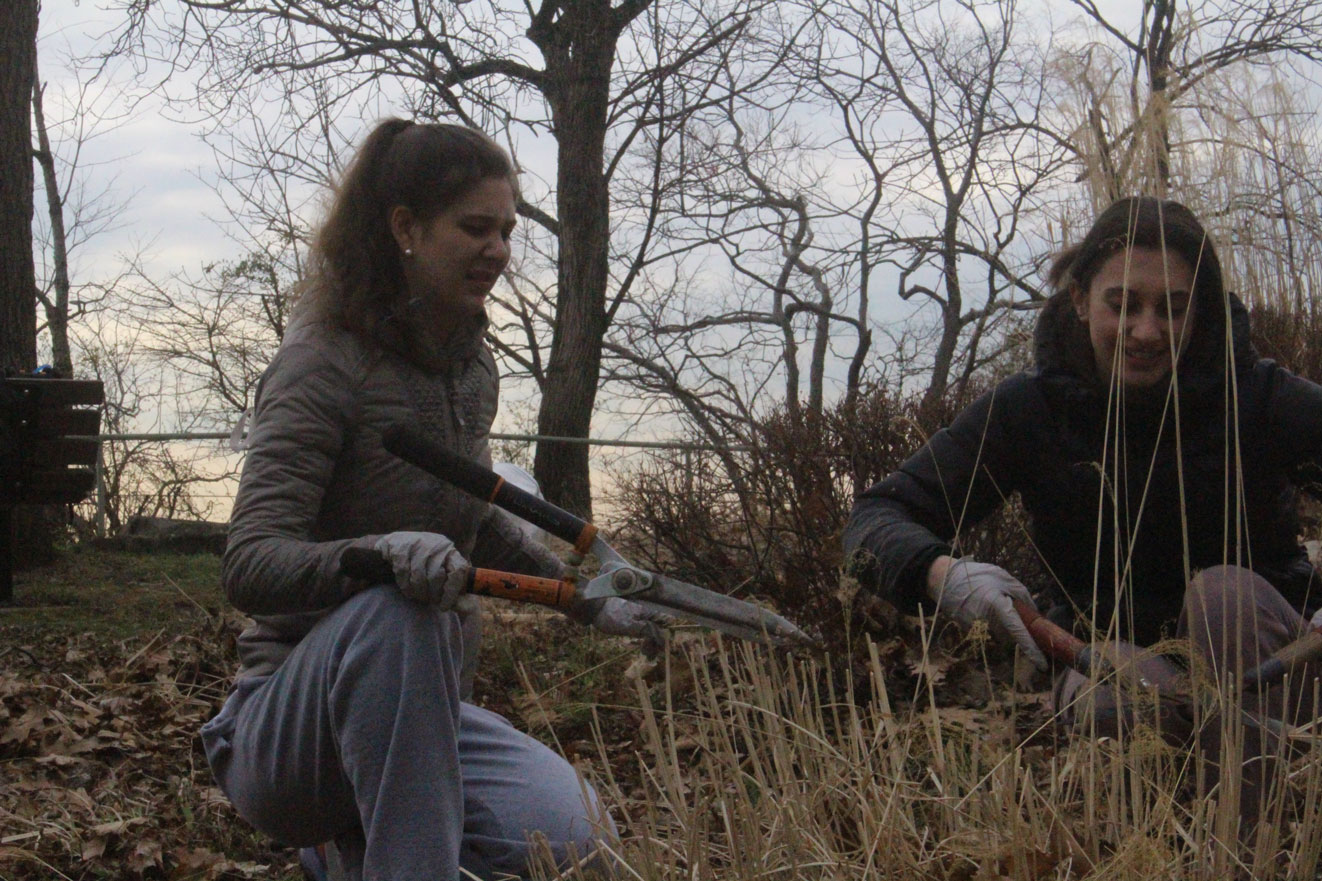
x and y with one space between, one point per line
1134 81
141 477
751 191
600 84
76 209
1259 183
214 333
55 300
941 103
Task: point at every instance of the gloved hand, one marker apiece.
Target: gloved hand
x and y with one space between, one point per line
974 591
1317 620
428 567
616 616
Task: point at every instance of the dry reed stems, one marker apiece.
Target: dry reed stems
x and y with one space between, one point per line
771 771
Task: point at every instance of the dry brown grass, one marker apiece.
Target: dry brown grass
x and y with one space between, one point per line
755 767
720 761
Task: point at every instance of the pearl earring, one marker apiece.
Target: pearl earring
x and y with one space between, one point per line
408 252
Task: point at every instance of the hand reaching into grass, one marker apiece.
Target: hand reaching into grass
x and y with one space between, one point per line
969 591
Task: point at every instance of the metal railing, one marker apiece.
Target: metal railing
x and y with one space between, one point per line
495 435
163 437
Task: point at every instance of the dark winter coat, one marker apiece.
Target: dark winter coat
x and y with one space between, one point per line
1101 481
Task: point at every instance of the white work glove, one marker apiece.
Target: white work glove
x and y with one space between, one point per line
975 591
616 616
428 567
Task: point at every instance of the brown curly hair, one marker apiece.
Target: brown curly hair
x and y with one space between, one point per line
356 276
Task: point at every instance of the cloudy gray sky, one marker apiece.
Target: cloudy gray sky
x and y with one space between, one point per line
155 164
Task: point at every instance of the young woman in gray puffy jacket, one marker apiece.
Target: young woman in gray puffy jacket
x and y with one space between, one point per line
347 720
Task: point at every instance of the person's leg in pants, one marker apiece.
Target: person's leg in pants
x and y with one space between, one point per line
1235 620
362 728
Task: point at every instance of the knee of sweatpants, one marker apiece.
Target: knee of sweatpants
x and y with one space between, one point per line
1218 593
1236 618
1226 580
383 614
383 641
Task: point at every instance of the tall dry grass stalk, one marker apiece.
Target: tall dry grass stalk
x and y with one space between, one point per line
757 767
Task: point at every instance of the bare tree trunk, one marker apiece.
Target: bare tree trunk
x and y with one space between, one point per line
56 302
579 54
951 318
1161 38
18 319
31 539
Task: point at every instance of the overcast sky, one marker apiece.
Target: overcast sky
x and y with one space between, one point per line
155 163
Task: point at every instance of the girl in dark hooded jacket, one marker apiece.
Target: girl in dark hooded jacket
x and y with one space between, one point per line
1156 455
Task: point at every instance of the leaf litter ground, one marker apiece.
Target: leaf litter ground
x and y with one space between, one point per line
110 663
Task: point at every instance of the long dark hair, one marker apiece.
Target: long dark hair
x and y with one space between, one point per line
1141 222
356 276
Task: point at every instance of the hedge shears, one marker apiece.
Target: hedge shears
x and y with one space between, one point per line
1063 646
616 578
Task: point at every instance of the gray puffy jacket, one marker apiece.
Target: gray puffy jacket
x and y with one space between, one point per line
317 480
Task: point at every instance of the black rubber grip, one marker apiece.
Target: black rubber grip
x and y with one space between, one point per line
367 564
417 449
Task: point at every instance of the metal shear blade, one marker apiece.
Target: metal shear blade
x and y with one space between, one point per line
699 605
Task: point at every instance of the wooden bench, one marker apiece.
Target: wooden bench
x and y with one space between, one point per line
50 428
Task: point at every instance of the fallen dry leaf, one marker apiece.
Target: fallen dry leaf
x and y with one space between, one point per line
95 848
118 827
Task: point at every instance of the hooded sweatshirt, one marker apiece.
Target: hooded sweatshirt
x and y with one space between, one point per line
1128 494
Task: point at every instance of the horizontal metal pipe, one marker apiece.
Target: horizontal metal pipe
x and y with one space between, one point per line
532 438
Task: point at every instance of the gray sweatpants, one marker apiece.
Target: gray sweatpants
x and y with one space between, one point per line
1234 620
360 736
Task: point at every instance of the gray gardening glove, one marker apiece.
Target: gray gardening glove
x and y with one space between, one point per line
428 567
975 591
616 616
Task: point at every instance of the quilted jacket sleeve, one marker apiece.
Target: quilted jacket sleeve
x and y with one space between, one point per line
903 523
305 405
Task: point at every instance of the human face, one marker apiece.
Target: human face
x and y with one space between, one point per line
1138 309
452 261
